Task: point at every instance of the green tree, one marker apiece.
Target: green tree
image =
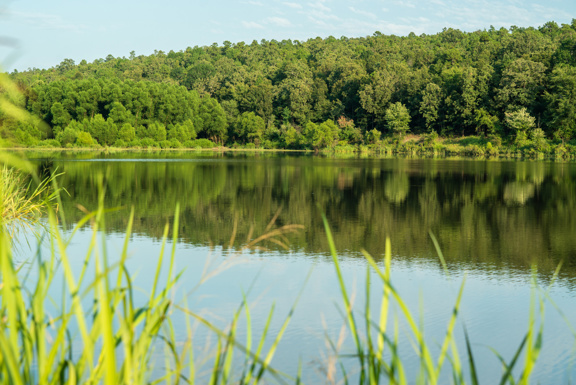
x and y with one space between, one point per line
212 119
156 132
127 133
397 119
375 96
561 102
60 117
520 122
67 137
250 128
430 105
179 133
322 135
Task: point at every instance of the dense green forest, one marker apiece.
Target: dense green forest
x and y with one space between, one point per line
512 89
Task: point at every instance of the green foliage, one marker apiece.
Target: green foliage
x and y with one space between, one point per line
538 137
212 120
289 137
148 142
23 205
250 128
520 121
165 144
84 139
68 136
562 102
126 133
321 135
430 105
348 131
51 143
397 119
202 143
156 132
120 143
373 136
454 83
178 133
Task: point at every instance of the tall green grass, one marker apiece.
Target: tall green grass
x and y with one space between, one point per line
98 333
377 347
23 200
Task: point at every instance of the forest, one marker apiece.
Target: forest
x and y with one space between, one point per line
502 90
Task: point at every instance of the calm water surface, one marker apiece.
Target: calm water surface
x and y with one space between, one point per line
496 222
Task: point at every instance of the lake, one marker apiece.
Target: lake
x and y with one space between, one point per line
499 223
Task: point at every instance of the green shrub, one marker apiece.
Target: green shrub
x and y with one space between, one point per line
175 143
474 150
148 142
495 140
133 143
202 143
120 143
50 143
84 139
491 150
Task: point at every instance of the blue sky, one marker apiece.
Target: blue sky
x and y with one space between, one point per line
40 33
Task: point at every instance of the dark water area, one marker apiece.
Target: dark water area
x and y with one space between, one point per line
497 222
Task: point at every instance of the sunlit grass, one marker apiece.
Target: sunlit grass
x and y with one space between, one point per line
23 205
121 338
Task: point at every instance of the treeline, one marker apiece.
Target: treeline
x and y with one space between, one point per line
516 84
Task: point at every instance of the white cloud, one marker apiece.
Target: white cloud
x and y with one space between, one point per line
279 21
251 25
46 21
320 6
363 13
293 5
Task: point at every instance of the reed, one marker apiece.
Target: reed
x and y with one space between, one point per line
118 336
377 348
22 205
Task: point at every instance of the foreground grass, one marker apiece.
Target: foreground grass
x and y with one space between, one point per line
118 336
22 205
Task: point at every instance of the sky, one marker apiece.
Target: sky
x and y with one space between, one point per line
40 33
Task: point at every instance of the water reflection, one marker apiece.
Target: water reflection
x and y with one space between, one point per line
492 214
493 219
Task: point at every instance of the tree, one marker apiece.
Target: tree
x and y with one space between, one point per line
561 102
60 117
321 135
521 83
430 105
179 133
156 132
212 119
485 123
250 127
127 133
97 128
376 95
68 136
84 139
397 118
520 122
348 131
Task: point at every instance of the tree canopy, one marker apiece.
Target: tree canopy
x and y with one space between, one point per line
290 93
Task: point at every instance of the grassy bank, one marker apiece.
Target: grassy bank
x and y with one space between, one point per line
425 145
